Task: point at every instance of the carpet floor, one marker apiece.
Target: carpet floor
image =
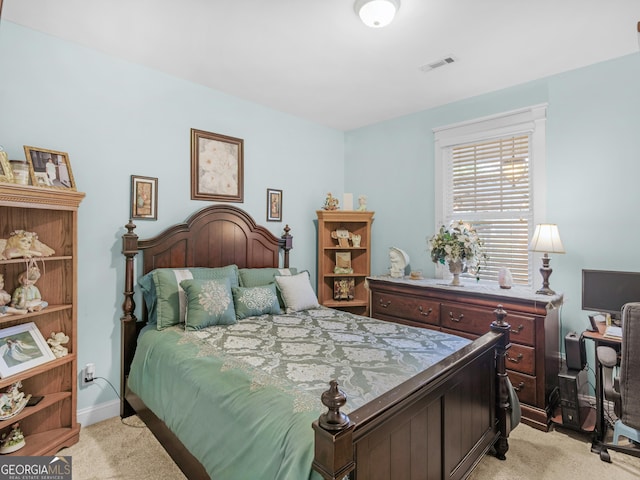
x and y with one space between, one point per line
123 450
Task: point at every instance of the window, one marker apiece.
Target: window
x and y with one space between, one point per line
491 175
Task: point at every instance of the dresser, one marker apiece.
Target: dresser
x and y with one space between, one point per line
533 360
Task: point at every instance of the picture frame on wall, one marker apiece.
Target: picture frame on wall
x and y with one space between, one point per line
49 168
274 205
217 167
22 347
6 173
144 198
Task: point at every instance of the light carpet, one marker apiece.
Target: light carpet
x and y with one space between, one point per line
123 450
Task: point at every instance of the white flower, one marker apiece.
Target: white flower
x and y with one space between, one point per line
458 242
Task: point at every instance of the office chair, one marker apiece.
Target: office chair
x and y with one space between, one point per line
624 390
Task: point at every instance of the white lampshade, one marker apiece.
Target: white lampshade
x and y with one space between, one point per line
377 13
546 238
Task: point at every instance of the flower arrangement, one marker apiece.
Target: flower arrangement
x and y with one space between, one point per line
458 242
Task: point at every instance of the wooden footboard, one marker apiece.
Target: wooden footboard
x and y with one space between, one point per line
436 425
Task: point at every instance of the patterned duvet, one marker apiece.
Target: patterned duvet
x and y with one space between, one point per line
242 397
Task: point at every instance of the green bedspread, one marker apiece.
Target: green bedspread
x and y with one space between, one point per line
242 397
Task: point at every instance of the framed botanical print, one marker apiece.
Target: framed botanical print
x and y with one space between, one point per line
49 168
274 205
144 198
217 163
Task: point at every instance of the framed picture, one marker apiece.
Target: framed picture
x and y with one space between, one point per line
144 197
343 263
344 288
6 173
22 347
217 163
274 205
49 168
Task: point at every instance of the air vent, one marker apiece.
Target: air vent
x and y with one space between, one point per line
438 63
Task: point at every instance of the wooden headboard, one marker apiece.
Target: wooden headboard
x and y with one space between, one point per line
215 236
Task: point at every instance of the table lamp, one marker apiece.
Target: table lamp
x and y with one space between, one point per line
546 239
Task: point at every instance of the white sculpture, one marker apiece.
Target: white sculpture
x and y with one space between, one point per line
399 262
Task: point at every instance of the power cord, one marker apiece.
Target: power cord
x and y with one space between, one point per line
122 420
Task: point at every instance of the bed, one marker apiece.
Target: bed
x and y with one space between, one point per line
436 419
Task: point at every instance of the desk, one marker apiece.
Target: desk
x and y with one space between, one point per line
600 340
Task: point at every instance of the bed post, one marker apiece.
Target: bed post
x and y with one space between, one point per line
502 382
333 437
286 243
128 327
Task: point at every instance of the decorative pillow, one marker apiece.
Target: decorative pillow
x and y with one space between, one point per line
297 292
258 277
255 301
209 302
165 299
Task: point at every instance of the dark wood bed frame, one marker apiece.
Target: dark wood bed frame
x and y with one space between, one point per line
438 424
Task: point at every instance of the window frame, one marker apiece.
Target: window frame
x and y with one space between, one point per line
529 121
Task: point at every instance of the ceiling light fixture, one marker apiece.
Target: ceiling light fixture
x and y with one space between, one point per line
376 13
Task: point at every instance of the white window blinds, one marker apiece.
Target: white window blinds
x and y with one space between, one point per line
489 186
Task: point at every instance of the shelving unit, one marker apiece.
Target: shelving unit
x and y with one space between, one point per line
355 222
53 215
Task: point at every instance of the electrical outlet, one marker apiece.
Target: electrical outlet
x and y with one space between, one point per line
88 373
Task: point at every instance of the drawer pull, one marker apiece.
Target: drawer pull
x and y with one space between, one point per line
515 360
453 319
384 305
422 312
518 387
520 328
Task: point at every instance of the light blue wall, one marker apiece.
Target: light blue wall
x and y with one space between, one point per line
116 119
593 172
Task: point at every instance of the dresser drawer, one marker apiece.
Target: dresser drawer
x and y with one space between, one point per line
405 308
521 359
478 320
525 387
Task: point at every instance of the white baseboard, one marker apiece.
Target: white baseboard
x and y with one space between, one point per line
97 413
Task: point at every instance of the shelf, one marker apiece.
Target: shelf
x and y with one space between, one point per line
49 442
342 275
38 259
337 247
345 303
53 214
44 311
44 367
47 401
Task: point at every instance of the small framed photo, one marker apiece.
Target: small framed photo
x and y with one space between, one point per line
343 263
344 288
22 347
144 197
6 173
49 168
217 167
274 205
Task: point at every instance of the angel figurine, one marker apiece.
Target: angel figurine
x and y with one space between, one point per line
56 342
27 295
23 244
5 300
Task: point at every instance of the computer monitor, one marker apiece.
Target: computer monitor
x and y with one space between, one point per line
607 291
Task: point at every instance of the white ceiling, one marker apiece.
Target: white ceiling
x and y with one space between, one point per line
316 60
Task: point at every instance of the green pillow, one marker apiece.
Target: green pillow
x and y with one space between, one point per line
255 301
165 299
258 277
209 302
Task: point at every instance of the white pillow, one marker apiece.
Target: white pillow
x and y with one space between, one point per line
297 292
